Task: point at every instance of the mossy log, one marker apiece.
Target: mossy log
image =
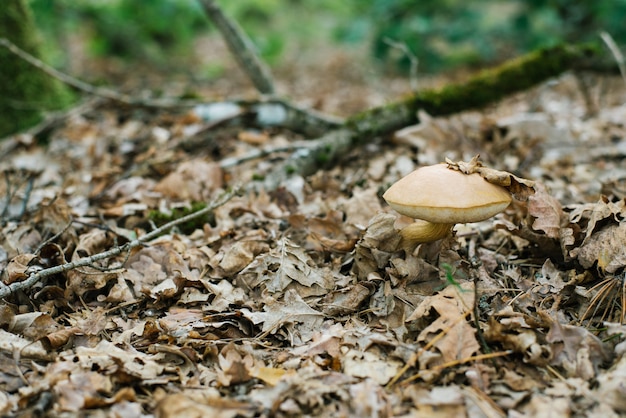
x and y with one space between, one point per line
485 88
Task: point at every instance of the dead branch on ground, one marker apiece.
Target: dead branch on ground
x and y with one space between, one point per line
241 47
36 276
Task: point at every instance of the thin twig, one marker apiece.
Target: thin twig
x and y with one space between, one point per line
67 79
115 251
412 59
617 53
262 152
90 89
241 47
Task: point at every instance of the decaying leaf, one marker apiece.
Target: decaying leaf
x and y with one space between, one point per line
287 263
575 349
17 268
450 306
547 212
193 180
293 313
375 249
235 367
510 329
520 188
606 247
370 364
241 254
593 213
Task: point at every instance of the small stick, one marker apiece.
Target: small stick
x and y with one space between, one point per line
88 261
67 79
617 53
241 47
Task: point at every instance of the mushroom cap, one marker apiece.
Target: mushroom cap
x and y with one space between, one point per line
440 195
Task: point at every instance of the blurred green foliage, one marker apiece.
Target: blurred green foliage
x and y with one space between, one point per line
440 33
444 33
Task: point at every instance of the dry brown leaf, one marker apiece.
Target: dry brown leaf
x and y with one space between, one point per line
607 247
510 329
158 270
375 249
193 180
235 367
611 388
361 207
285 264
271 375
451 304
194 405
575 349
370 364
594 213
240 254
345 300
547 212
292 312
520 188
438 402
17 269
80 281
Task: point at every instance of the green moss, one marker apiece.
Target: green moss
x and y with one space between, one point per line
491 85
25 91
258 177
289 169
485 88
160 218
324 155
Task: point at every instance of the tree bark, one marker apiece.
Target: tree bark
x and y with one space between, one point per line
25 92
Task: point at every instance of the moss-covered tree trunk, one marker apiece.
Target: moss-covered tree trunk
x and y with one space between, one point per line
25 91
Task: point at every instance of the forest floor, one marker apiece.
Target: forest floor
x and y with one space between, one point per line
291 302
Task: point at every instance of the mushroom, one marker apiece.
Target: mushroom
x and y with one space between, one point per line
438 197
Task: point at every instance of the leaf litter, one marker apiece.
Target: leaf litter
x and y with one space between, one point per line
299 301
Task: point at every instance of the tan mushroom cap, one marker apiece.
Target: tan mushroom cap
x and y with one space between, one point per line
440 195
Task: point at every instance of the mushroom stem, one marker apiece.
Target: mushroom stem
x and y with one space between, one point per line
423 231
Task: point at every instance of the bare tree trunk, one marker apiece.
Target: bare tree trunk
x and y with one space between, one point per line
25 92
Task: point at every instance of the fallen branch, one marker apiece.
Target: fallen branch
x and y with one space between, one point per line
67 79
483 89
241 47
269 113
115 251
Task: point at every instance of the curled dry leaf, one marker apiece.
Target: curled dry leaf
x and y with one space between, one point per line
240 254
575 349
17 268
606 247
547 212
593 213
284 265
451 305
346 300
235 367
292 312
193 180
510 329
375 249
89 278
519 188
